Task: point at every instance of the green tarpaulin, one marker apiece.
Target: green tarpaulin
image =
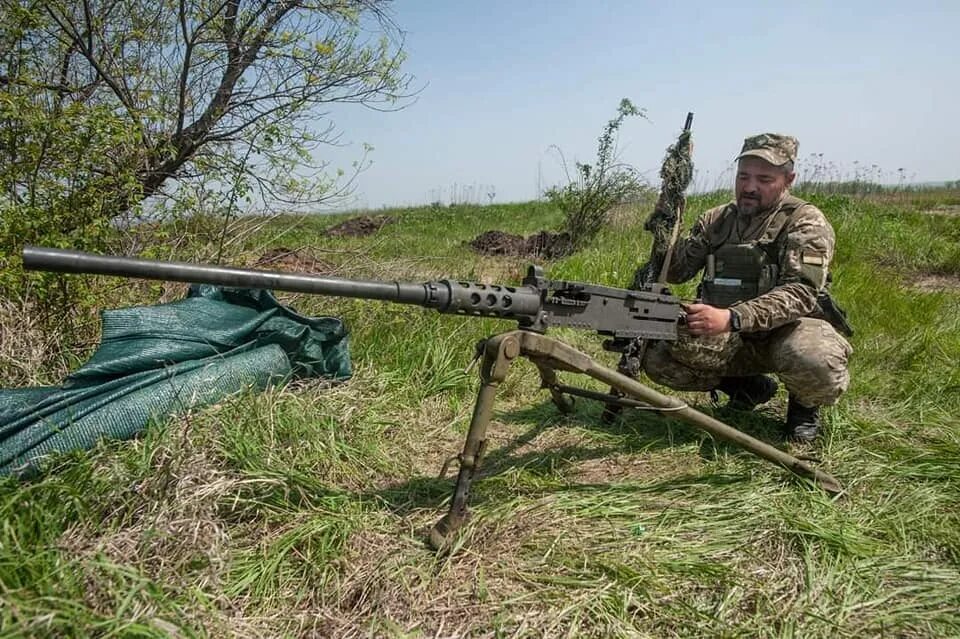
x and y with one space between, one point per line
156 361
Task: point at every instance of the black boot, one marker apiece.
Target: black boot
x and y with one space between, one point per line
802 423
746 393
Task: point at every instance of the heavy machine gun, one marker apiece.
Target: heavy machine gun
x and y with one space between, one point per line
537 304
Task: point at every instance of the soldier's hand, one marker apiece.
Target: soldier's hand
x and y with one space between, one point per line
703 319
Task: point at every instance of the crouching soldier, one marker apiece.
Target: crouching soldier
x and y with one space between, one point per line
763 307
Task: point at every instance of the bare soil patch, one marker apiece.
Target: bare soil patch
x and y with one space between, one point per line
296 260
360 226
950 210
544 244
935 282
627 467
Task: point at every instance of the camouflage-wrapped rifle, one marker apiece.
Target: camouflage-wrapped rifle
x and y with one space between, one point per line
536 304
664 224
667 216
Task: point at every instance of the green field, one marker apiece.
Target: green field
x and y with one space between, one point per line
303 511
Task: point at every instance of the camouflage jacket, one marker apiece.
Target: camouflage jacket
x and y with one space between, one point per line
803 248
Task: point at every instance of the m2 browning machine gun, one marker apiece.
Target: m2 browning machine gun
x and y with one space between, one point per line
536 304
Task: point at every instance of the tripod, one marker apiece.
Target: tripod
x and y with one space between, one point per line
549 356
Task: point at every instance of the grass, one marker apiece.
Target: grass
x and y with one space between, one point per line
302 511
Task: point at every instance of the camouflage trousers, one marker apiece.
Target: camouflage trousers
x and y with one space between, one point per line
808 356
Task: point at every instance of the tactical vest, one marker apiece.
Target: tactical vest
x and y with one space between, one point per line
740 272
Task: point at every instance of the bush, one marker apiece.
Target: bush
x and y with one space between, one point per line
595 189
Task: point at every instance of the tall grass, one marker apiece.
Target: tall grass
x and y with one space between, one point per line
303 511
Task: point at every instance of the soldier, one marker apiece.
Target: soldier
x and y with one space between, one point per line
765 260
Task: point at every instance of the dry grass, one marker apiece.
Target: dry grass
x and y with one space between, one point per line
31 353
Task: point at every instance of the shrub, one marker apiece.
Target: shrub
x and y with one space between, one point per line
594 190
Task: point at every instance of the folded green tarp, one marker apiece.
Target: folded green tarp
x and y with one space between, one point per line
156 361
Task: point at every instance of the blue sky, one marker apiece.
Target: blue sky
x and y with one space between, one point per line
871 83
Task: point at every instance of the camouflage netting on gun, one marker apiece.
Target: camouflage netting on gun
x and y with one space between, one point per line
676 172
162 360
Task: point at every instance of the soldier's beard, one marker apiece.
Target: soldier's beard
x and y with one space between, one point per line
752 203
749 204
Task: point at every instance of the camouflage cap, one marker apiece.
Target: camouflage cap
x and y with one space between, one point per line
774 148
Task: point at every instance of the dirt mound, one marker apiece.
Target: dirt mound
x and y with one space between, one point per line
543 244
360 226
294 260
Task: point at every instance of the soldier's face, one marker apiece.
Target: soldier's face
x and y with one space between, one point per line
759 184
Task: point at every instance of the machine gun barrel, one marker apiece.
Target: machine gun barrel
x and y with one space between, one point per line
447 296
63 261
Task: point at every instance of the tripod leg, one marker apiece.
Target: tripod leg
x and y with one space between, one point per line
563 357
548 380
498 352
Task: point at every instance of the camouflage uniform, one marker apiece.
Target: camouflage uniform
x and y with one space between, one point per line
781 326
